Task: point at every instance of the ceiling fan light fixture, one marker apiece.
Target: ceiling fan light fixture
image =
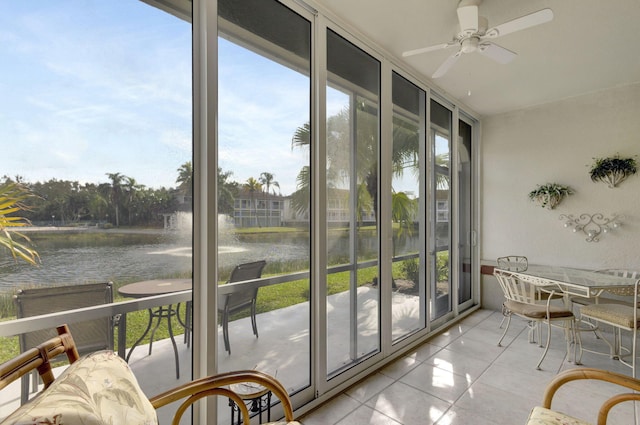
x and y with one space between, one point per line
474 35
469 45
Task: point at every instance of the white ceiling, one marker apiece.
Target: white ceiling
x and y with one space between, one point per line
590 45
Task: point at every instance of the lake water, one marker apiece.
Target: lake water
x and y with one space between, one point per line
110 255
122 257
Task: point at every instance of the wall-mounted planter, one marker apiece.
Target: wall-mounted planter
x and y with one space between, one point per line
550 195
612 170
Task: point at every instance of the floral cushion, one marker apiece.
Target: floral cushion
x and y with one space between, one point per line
542 416
98 389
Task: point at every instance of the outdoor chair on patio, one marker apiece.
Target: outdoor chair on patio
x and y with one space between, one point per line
92 335
235 296
100 388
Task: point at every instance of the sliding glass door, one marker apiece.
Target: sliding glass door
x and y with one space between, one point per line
438 264
264 192
352 146
408 278
466 234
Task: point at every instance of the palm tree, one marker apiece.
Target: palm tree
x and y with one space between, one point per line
11 197
253 186
131 188
266 179
185 179
227 191
300 198
116 192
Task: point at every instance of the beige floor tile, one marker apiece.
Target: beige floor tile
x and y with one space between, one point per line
408 405
441 383
365 415
371 386
331 412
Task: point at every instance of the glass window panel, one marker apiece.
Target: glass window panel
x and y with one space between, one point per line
465 208
96 108
264 153
408 134
353 320
441 193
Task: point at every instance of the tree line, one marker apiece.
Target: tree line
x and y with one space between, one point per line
120 200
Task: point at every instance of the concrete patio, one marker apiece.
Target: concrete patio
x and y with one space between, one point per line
282 348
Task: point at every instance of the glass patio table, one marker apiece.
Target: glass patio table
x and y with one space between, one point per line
571 281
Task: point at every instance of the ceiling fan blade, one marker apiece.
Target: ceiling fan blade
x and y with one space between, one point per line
497 53
428 49
447 64
524 22
468 17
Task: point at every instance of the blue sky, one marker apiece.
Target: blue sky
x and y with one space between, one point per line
94 87
91 87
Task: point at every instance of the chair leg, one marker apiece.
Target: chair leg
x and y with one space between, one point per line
634 340
225 331
506 328
24 388
546 348
254 324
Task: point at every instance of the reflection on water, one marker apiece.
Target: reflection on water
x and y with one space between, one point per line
98 256
112 255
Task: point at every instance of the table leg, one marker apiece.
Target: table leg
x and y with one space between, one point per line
187 321
135 344
161 312
170 313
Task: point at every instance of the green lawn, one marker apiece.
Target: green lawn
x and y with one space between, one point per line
270 298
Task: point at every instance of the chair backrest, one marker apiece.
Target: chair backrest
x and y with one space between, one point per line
223 384
514 289
247 271
90 335
38 357
514 263
241 297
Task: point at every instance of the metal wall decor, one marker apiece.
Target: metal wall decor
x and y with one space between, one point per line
592 225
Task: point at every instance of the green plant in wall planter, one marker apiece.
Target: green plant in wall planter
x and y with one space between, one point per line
550 194
612 170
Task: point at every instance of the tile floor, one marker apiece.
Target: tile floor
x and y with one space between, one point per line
461 377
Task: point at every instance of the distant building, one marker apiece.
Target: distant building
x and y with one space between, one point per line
258 209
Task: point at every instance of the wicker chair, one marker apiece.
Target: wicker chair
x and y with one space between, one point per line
543 415
122 401
39 358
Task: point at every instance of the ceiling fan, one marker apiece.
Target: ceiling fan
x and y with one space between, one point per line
475 34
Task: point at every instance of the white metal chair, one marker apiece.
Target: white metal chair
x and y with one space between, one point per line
612 296
621 317
521 299
514 263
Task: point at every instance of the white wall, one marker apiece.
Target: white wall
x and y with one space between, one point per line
557 143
